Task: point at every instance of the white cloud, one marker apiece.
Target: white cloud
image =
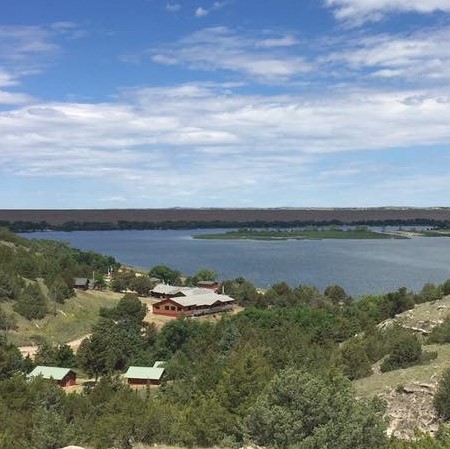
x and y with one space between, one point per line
414 57
173 7
359 11
285 41
202 12
220 48
13 98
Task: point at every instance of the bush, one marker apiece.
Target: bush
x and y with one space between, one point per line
441 334
311 412
356 364
406 351
442 397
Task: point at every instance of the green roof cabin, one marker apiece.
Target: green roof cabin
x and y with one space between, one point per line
144 375
64 377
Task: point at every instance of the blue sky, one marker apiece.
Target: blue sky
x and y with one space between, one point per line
233 103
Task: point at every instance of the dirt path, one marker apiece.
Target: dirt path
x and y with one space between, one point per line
31 350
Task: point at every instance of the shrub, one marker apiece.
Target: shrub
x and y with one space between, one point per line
406 351
442 397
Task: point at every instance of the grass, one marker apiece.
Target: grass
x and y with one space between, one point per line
426 373
73 319
316 234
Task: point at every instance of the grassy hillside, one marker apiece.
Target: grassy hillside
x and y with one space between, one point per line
73 319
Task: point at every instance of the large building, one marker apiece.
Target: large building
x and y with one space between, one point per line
64 377
194 304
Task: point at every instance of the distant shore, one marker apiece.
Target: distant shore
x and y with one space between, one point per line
210 218
312 234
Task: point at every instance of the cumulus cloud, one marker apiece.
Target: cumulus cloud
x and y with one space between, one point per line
359 11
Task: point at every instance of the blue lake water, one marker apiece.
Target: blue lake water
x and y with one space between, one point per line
360 266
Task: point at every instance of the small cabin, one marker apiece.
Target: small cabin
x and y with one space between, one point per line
145 375
64 377
83 283
211 285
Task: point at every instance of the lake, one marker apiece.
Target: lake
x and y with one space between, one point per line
360 266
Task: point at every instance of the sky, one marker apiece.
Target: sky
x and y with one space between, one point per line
232 103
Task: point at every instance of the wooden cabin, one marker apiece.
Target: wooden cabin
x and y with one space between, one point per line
64 377
144 375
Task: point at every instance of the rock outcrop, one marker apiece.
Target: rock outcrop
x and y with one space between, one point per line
410 408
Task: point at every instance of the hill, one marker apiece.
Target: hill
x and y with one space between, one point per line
409 392
37 299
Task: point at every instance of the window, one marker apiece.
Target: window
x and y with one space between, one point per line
167 308
157 307
173 308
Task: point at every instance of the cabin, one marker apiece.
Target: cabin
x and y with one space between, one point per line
194 305
145 375
211 285
84 284
64 377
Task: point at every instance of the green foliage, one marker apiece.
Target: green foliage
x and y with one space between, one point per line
61 356
7 322
397 302
446 287
141 285
109 348
59 290
32 303
299 409
355 362
243 291
429 293
128 310
10 359
442 397
166 274
336 294
9 288
203 274
441 333
406 351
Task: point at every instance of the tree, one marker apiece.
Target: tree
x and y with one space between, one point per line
109 348
356 364
10 359
441 400
336 294
7 322
406 351
429 292
446 287
242 290
203 274
8 287
299 409
59 290
166 274
129 309
32 303
141 285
